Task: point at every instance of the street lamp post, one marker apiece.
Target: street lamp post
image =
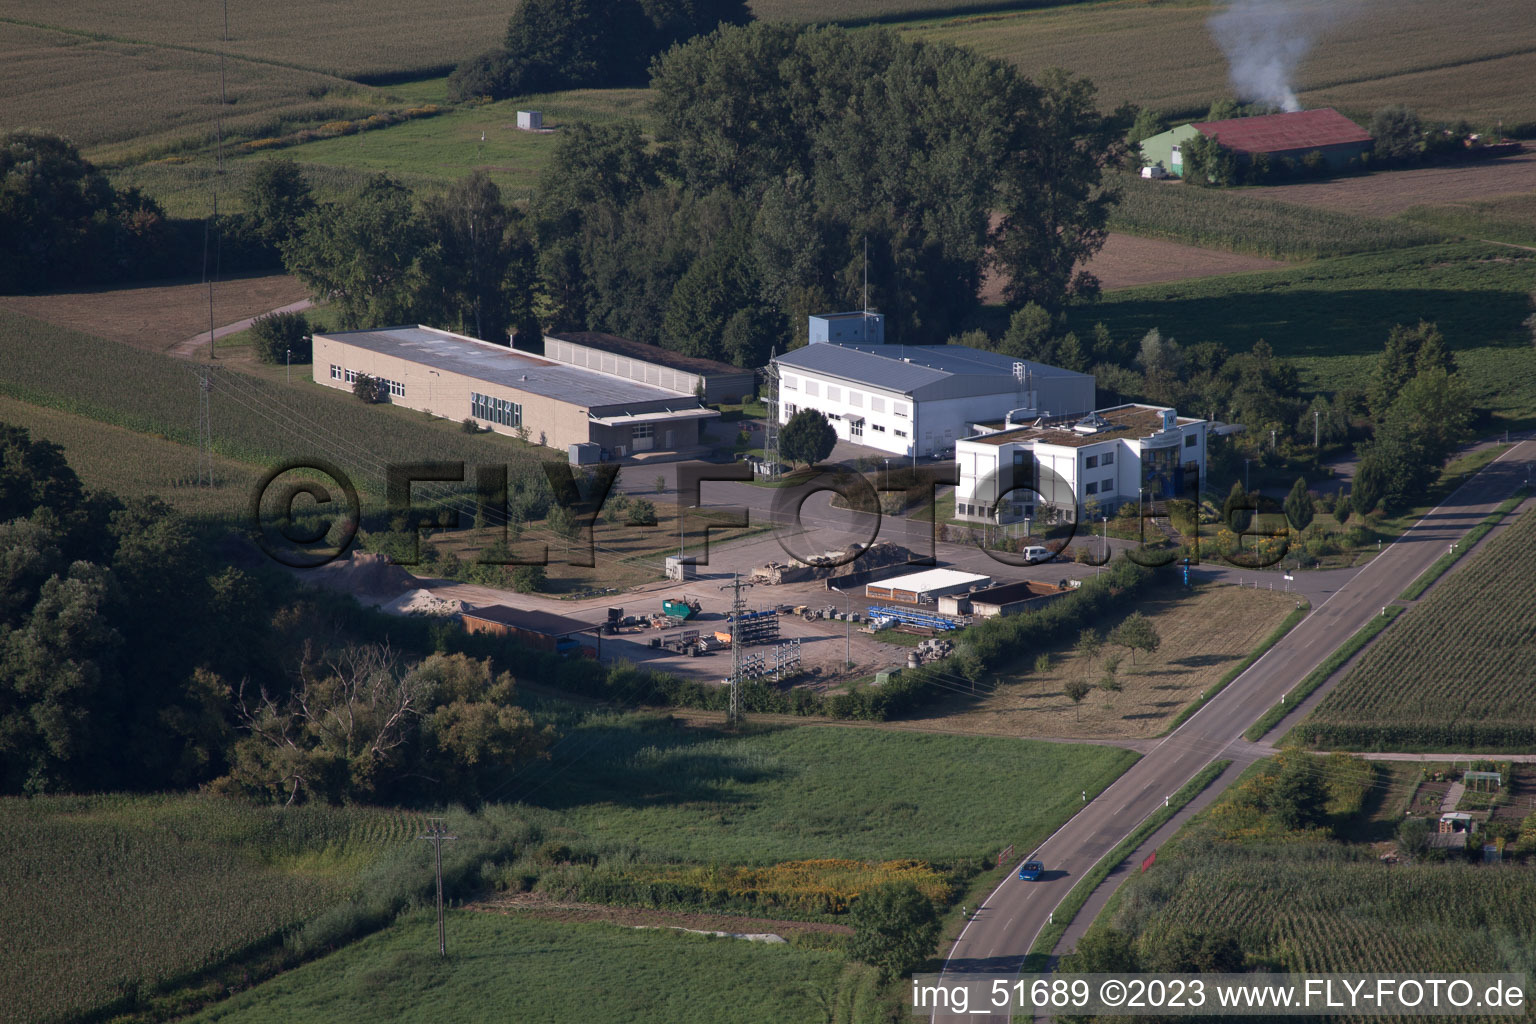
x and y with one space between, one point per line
682 515
1246 488
1106 542
288 365
848 627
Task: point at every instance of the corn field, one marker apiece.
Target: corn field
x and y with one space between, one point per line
1455 673
145 890
1301 907
807 888
1246 222
253 420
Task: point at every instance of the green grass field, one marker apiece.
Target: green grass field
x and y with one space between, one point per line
1509 219
787 794
1454 673
502 968
1332 316
143 889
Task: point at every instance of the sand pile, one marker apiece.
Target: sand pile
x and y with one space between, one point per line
423 602
371 578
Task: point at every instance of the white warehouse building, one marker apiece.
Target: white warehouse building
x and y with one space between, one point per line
1128 453
920 399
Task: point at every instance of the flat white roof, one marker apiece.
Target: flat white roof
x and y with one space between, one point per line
932 579
498 364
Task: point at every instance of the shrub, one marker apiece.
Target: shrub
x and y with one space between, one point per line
281 336
469 426
370 389
528 579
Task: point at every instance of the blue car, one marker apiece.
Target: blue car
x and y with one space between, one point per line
1031 870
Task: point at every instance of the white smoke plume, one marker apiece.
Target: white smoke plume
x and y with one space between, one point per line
1265 42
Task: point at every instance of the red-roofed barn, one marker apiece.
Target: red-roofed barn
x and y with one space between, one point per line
1291 136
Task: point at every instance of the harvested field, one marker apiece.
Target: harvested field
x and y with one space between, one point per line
1392 192
347 38
105 93
1449 62
158 316
1127 261
1203 636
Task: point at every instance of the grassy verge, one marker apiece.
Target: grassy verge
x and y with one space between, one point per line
1302 690
1286 625
1467 543
1046 941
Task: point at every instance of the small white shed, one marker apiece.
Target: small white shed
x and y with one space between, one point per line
530 120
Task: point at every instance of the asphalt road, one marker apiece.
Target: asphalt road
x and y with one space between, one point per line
1002 930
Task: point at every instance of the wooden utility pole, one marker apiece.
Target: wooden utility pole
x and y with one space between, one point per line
436 834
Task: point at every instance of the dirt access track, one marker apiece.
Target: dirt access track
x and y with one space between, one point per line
1387 193
159 316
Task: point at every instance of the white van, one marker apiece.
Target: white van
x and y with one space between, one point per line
1036 554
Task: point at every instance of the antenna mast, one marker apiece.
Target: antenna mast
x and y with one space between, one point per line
771 406
866 275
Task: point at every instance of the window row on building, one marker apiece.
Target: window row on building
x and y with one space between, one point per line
495 410
396 389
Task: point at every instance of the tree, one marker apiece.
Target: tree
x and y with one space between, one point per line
1369 483
1075 690
528 579
1341 508
1298 505
64 223
277 198
642 513
1399 135
1089 643
1400 361
561 44
1298 799
1134 633
564 524
484 271
1147 124
1052 196
1413 837
279 336
1109 682
1184 951
369 254
1029 334
370 389
1102 951
807 438
894 928
34 475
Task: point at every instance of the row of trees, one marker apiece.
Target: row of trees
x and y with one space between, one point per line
586 44
383 256
66 225
780 153
1422 412
131 659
